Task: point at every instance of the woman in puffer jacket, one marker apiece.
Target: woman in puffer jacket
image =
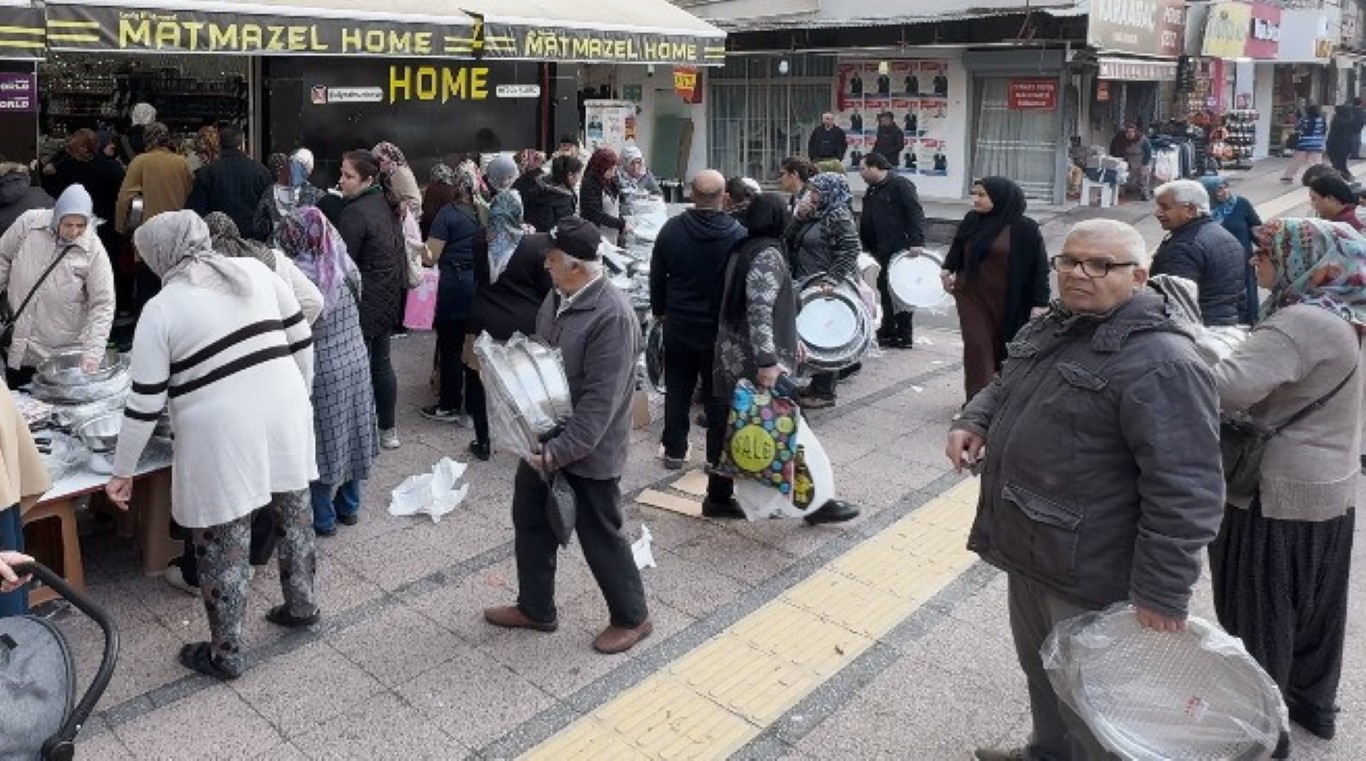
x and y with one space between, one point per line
70 307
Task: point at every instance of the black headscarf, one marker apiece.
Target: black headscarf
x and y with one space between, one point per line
978 231
765 218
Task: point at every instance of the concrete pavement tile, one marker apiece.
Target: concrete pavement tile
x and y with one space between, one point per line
381 726
396 644
458 607
788 535
981 658
286 751
105 746
475 699
399 557
301 689
671 530
737 556
147 660
691 587
339 588
212 724
925 447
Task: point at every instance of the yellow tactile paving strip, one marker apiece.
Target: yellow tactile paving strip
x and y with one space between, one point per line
714 700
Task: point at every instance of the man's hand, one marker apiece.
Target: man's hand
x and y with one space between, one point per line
801 352
768 376
914 251
946 279
9 580
827 286
1037 312
90 364
120 491
1158 622
963 449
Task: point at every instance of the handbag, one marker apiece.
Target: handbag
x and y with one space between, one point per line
414 248
9 319
1243 443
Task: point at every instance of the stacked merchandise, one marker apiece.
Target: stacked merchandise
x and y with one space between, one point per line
1239 133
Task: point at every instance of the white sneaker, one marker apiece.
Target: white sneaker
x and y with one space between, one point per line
388 438
176 578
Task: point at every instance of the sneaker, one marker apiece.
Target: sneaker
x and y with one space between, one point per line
388 438
481 450
681 461
674 463
440 415
176 578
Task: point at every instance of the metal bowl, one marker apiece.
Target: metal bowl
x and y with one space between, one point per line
101 434
64 369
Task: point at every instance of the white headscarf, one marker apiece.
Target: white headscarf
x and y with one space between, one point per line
144 114
176 246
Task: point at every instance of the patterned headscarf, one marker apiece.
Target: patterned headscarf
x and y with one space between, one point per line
388 152
833 191
1317 262
505 231
1218 211
529 160
317 249
175 245
206 144
278 163
156 135
228 241
442 175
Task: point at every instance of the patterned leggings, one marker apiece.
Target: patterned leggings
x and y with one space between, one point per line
224 571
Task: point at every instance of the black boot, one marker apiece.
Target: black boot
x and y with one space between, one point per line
834 511
905 332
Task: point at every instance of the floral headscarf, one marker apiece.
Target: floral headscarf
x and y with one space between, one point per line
388 152
1318 262
317 249
505 231
206 144
529 160
833 190
278 163
442 175
175 245
227 240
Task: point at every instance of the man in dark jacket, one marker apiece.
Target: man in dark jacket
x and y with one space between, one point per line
233 184
827 140
1200 249
891 141
1102 481
1344 134
687 273
892 221
18 194
595 328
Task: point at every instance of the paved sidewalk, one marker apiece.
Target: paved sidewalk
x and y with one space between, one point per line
403 666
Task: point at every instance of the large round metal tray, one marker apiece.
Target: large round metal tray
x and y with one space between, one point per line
834 326
914 280
550 370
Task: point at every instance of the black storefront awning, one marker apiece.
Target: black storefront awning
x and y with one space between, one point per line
604 31
21 31
394 28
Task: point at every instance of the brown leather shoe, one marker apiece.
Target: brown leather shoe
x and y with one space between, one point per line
618 639
512 617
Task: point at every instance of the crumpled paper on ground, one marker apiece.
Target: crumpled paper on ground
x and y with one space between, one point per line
434 493
641 550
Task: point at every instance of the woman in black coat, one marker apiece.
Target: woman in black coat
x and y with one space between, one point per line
374 239
600 190
551 198
997 270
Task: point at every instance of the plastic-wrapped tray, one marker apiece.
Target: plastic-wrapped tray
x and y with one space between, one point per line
1150 696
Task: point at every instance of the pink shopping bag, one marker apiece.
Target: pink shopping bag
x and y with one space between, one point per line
420 311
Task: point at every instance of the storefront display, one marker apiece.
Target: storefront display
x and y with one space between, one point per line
1233 144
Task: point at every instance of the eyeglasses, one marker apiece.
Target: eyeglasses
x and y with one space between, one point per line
1092 268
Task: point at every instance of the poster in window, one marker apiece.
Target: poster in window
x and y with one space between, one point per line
914 92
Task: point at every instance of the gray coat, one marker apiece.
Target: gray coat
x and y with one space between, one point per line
1103 480
599 336
768 333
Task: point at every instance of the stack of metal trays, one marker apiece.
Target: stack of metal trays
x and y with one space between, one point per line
61 381
834 326
527 381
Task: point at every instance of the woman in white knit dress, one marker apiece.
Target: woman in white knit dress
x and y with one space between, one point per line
226 345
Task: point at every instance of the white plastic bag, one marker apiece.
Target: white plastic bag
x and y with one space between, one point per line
432 493
641 550
761 502
1151 696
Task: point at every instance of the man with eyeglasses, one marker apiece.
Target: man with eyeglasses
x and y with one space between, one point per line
1098 447
1199 249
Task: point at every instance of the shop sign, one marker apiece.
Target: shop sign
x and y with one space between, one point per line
1308 35
1032 95
1144 27
322 96
517 91
1131 70
17 92
688 83
21 32
101 28
510 41
1226 30
1264 38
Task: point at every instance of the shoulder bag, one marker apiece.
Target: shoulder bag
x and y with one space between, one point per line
1243 443
9 319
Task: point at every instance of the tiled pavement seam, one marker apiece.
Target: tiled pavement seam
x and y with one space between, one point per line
622 677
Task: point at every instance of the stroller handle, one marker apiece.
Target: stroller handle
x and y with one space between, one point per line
67 735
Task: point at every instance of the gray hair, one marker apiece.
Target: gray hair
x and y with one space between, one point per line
1124 238
1188 192
591 266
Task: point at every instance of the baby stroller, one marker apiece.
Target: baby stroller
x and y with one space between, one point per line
41 719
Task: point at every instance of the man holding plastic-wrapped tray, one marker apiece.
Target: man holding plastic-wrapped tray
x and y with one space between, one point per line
595 328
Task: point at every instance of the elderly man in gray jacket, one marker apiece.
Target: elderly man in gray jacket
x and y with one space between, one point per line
595 328
1098 445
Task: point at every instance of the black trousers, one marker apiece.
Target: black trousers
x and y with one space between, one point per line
684 365
476 404
383 379
823 384
1338 153
1281 587
891 324
598 529
450 343
719 488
